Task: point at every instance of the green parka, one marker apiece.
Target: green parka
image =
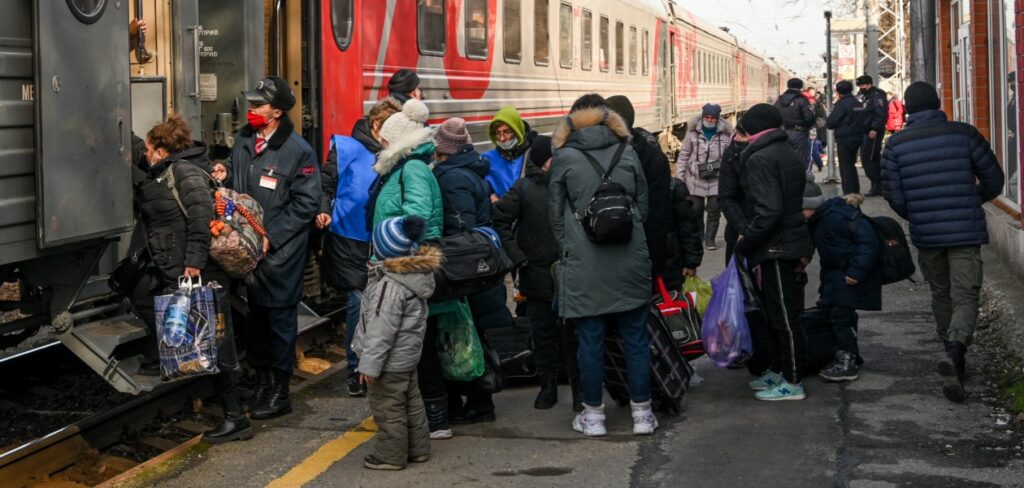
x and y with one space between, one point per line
596 279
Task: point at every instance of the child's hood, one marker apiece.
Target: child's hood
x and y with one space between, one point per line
847 206
416 271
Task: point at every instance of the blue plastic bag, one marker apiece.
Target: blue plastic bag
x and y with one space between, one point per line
725 331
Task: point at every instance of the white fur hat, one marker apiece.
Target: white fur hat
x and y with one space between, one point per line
413 116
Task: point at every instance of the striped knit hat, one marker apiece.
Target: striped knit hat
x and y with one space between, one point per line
398 236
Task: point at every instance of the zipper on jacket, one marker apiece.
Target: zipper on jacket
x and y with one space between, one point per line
380 301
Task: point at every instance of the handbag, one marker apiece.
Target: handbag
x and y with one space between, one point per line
709 169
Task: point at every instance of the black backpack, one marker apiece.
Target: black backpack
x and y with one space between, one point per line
608 216
895 258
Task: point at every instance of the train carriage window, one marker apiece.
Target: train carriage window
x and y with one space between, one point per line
620 48
476 29
512 31
645 49
87 11
430 29
603 53
341 22
541 36
632 50
587 41
565 35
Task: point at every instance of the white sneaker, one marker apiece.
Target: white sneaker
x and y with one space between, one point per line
590 421
644 421
439 435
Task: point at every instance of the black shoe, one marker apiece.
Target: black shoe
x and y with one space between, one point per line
355 388
952 368
844 368
150 367
437 414
231 429
577 397
280 401
548 395
264 385
473 416
372 462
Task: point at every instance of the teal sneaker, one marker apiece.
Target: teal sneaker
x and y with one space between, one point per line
782 391
766 381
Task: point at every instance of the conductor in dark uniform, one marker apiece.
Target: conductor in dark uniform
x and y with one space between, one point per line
277 167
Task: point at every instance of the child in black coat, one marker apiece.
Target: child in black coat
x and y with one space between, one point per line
851 279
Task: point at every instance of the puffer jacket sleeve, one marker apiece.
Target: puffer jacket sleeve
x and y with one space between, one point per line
766 194
892 182
329 181
303 202
866 248
558 197
983 161
729 190
417 180
684 221
684 154
505 214
379 327
641 186
194 190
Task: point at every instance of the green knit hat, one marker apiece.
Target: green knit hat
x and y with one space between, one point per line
509 116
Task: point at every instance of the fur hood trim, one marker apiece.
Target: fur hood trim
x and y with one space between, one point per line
398 150
854 199
723 125
588 118
426 259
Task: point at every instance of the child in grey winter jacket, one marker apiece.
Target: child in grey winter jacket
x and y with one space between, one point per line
389 340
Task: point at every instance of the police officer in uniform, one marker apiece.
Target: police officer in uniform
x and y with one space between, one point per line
276 166
876 115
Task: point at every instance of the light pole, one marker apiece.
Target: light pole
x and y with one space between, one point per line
831 178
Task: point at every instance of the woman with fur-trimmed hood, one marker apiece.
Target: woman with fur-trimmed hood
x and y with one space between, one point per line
405 184
707 137
601 282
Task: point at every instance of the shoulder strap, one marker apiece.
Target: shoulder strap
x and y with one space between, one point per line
401 185
172 185
611 167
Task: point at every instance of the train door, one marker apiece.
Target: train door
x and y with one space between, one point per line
294 56
341 70
82 168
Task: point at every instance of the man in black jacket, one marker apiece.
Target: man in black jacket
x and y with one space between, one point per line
730 195
798 118
876 115
659 182
776 245
847 120
273 164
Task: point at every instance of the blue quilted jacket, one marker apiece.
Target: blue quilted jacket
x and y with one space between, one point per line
937 174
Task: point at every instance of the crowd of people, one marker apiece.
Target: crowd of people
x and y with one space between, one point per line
392 188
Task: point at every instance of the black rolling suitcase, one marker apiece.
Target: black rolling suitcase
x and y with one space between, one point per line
670 372
514 345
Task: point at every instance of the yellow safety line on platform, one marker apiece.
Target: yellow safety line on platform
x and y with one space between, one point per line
326 456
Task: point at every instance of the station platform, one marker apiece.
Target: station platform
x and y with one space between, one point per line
890 428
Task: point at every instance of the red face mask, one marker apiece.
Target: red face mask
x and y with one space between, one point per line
256 120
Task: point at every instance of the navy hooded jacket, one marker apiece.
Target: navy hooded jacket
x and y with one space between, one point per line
466 195
937 174
848 246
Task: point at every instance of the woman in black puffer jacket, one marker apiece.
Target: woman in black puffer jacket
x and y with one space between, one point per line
179 244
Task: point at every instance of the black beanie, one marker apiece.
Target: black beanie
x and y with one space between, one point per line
540 151
761 117
865 80
404 81
844 87
795 84
920 96
622 106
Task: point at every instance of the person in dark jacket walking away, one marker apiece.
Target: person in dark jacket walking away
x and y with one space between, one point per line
277 167
389 340
876 116
776 247
512 138
460 173
851 278
404 85
521 218
706 139
179 240
600 282
937 176
345 181
658 174
797 116
847 123
731 195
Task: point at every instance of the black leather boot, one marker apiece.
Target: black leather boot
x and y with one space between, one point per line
953 367
280 401
548 395
264 385
235 426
